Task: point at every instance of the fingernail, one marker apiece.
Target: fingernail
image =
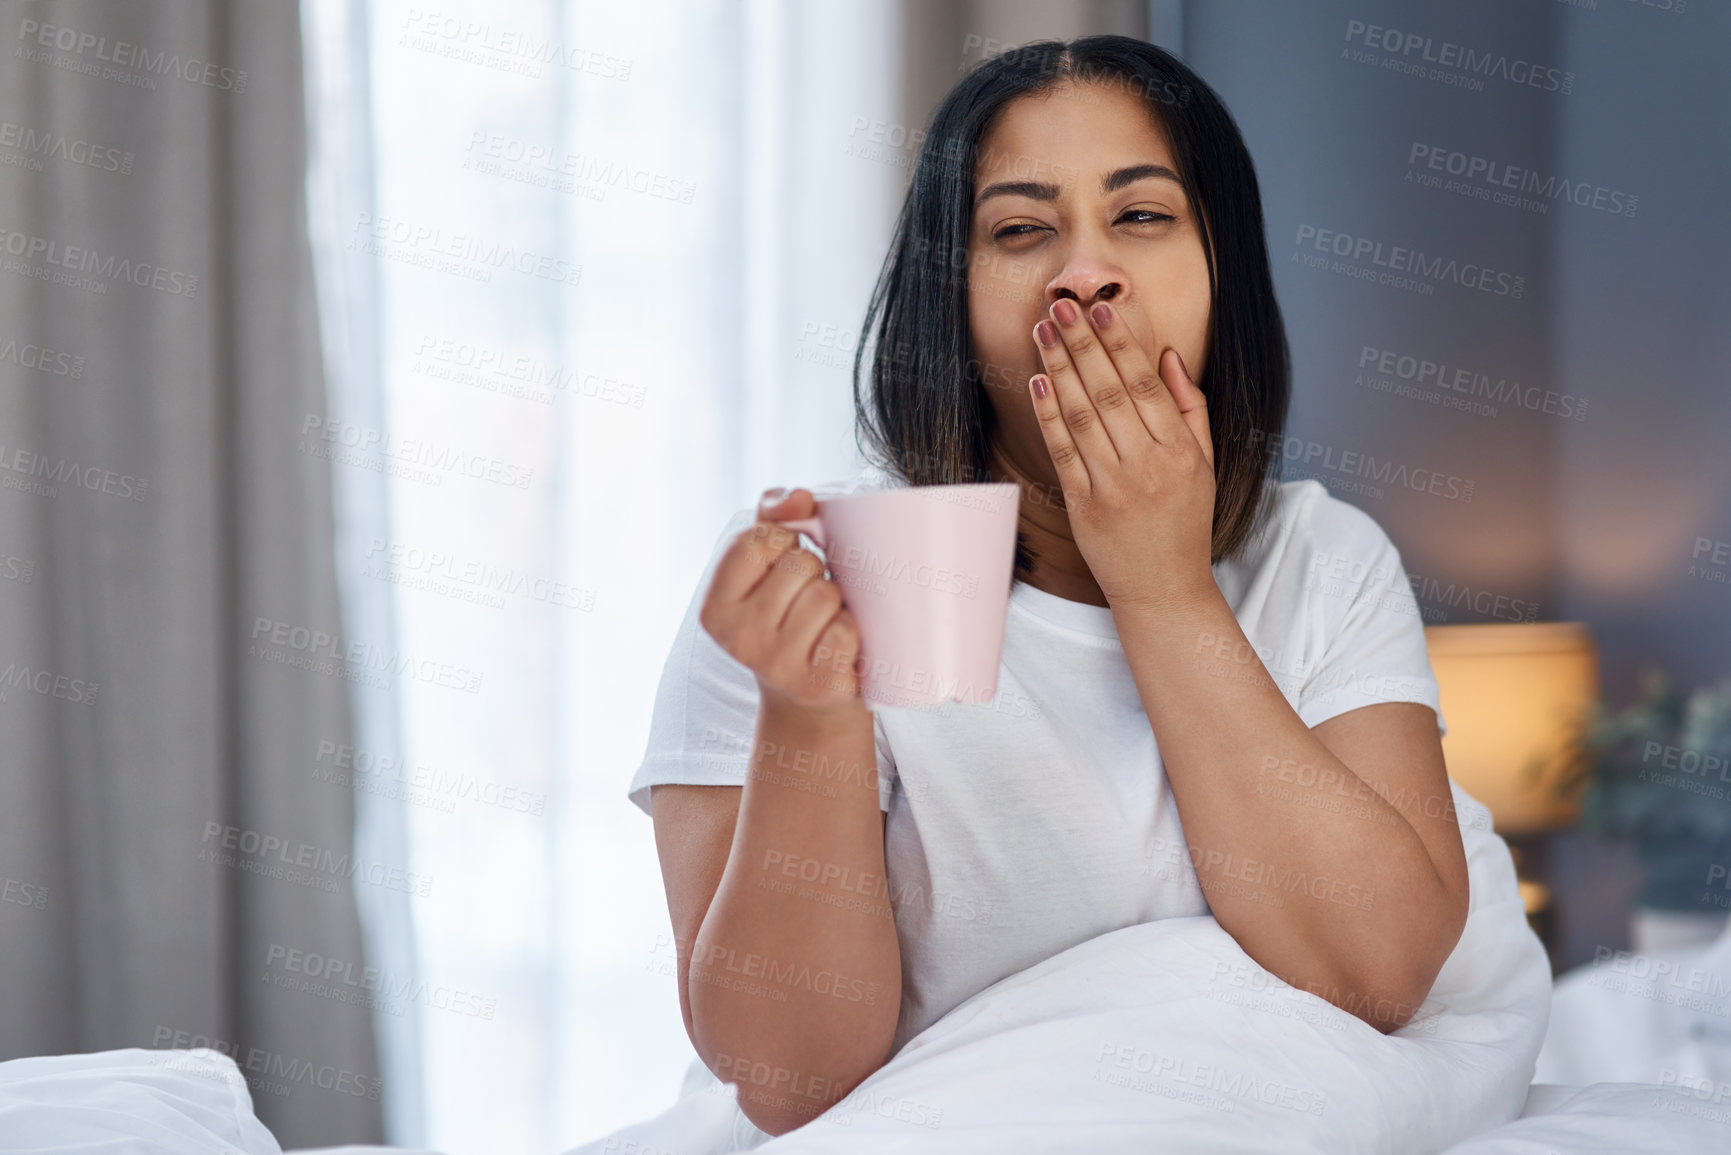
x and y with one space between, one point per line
1046 333
1039 382
1101 315
1065 312
772 496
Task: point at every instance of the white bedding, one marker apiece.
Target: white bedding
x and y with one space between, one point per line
1167 1036
130 1102
1162 1036
1610 1119
139 1102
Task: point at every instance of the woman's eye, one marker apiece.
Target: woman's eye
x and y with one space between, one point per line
1009 231
1145 217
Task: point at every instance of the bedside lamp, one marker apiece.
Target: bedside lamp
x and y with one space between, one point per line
1515 696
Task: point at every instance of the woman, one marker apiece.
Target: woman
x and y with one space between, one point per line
1214 694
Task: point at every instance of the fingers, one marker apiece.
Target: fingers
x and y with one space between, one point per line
771 608
752 555
1066 458
1089 377
1087 432
1148 393
757 548
813 633
793 573
1191 401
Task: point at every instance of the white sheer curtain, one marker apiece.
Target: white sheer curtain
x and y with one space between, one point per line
589 277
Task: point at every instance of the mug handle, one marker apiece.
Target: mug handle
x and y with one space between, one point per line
812 527
814 530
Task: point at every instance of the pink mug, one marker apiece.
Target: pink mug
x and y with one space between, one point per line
925 571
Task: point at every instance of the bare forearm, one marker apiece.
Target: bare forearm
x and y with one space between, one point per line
794 980
1310 867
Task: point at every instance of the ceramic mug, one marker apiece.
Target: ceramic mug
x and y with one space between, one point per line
925 571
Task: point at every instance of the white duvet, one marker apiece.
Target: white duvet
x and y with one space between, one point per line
1167 1036
1158 1037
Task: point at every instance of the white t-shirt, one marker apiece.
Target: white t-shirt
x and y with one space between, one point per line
1019 828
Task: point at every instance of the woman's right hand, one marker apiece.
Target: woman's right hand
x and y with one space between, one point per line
771 608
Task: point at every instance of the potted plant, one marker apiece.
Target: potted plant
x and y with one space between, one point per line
1658 774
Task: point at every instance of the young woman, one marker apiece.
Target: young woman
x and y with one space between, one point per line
1214 698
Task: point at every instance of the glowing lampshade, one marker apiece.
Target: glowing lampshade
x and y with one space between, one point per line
1515 697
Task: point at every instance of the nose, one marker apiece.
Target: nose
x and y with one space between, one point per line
1086 279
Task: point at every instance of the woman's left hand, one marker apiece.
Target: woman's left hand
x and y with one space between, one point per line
1130 441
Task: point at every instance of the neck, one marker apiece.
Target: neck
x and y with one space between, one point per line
1059 568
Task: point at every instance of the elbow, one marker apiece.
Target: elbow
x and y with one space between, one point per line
1399 991
781 1103
766 1116
785 1093
1387 1001
1396 990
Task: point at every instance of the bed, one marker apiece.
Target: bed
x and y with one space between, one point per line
132 1102
1160 1036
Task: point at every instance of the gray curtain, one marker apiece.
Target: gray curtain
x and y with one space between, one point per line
159 500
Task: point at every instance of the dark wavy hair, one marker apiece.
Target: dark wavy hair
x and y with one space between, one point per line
926 418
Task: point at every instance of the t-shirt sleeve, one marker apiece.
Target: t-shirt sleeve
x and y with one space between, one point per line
1372 646
704 722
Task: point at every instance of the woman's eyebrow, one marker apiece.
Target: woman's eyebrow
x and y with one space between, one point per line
1032 189
1133 173
1111 182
